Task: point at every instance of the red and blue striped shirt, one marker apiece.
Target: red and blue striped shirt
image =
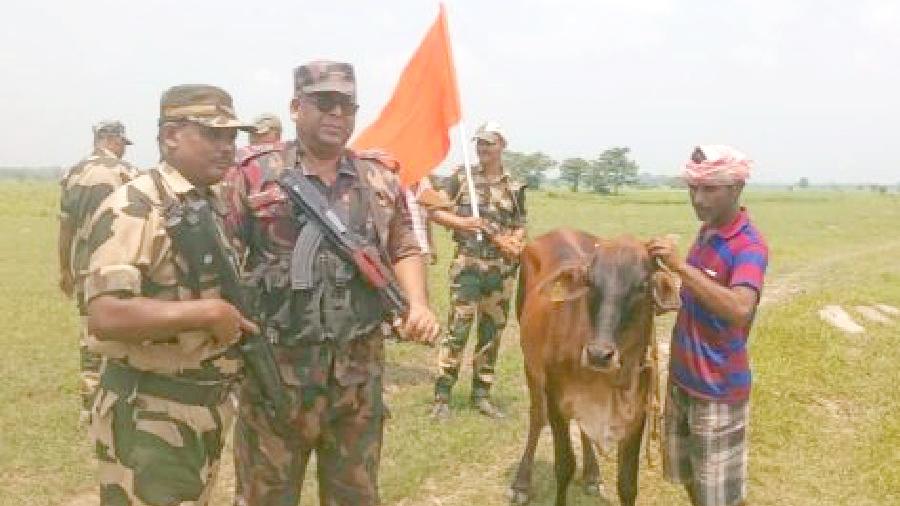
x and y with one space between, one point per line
708 354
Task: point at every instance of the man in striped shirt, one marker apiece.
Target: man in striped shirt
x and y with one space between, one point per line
707 404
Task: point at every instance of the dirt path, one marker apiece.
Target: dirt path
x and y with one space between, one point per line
800 280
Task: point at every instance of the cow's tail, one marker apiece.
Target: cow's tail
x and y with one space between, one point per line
520 293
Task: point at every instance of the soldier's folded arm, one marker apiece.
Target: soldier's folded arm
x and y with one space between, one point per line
123 242
440 210
139 319
456 222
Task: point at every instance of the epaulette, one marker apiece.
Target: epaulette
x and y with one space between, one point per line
379 155
248 153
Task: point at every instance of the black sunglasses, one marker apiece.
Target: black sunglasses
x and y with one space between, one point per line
325 102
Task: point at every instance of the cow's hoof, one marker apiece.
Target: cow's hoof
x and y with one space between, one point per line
595 489
517 497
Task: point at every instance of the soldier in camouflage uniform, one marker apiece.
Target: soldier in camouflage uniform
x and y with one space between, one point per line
83 188
483 271
166 337
322 316
266 130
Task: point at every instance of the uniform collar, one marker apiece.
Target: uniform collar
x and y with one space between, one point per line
345 165
179 185
478 169
103 152
174 180
741 220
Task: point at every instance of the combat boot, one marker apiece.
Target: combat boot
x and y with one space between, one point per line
440 412
486 408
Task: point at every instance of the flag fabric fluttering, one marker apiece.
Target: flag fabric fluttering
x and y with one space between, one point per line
414 125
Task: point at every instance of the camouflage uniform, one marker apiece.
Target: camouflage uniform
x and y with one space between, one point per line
162 407
326 330
83 188
481 280
265 123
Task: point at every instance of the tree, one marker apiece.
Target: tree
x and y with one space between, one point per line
574 170
613 169
529 167
804 182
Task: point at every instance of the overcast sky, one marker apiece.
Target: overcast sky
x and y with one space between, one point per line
806 88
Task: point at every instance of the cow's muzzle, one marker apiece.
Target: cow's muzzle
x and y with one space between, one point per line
600 357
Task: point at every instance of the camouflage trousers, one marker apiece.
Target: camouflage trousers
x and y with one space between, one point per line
478 288
338 413
89 376
153 450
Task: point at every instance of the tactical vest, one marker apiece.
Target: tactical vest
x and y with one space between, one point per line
332 303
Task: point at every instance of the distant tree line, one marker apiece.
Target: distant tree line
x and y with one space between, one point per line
23 173
608 173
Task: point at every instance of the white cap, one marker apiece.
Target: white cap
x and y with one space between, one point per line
490 131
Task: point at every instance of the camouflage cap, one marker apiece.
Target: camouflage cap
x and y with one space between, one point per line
110 127
266 122
199 103
325 75
490 131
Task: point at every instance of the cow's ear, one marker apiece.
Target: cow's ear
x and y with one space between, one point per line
665 292
568 282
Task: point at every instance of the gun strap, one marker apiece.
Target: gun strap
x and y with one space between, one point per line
173 213
198 245
362 170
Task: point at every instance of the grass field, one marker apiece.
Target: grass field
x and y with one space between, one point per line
825 424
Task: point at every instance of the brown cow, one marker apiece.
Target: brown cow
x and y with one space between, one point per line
586 308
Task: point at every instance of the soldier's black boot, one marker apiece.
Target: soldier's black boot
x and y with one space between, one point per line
440 411
486 407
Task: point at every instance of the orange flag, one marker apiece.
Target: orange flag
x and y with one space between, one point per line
414 125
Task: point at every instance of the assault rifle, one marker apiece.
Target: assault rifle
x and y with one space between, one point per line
349 245
195 236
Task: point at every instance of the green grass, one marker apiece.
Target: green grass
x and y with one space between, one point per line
824 423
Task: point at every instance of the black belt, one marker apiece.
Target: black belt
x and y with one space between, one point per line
483 249
125 380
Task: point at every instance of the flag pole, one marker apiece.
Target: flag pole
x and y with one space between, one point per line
464 143
467 164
